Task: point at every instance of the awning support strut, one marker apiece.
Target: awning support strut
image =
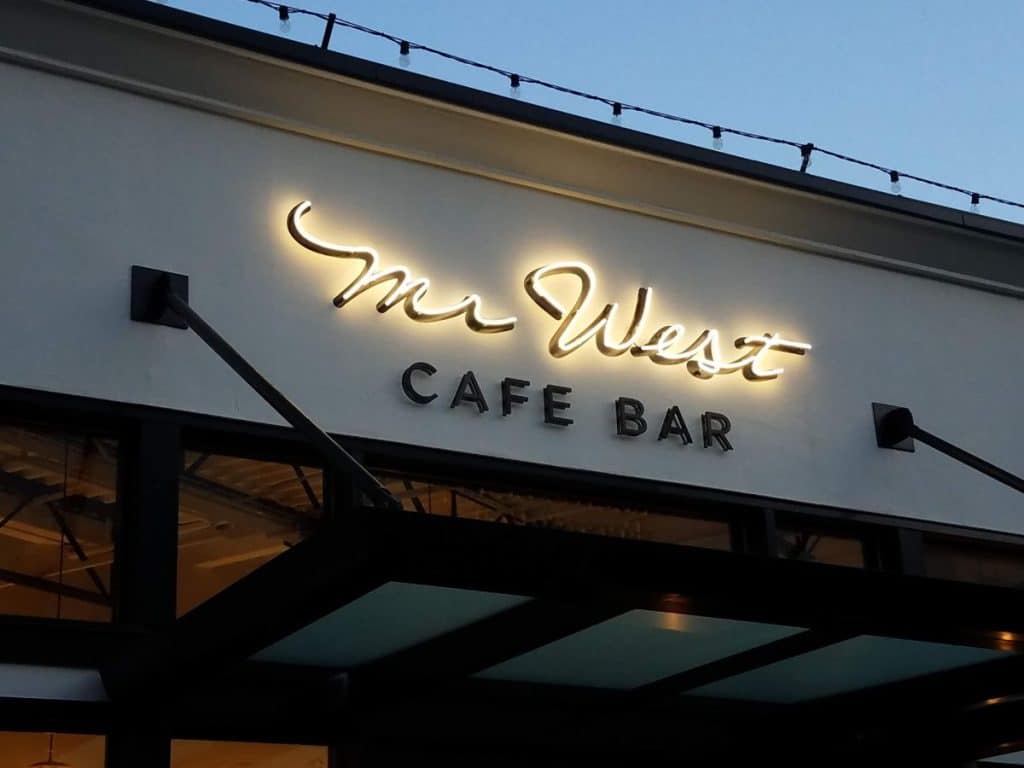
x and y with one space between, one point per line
895 429
161 298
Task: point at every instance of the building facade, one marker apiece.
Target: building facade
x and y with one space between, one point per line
612 411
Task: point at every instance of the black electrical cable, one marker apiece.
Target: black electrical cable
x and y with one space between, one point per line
618 107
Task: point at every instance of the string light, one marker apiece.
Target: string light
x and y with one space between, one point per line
894 182
403 54
717 132
805 156
617 113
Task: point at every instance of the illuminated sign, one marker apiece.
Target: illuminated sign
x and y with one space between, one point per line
409 291
702 356
666 346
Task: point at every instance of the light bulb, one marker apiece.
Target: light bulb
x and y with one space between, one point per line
805 156
513 86
403 54
975 202
894 182
716 138
617 113
286 22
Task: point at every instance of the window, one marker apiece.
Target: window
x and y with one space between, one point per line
58 499
515 508
235 514
228 754
808 541
75 750
959 559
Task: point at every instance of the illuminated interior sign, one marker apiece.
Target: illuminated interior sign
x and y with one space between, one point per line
666 346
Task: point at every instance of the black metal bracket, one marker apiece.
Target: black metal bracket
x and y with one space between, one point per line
893 425
161 298
895 429
149 291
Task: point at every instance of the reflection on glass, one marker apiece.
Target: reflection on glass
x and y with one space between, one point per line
58 494
218 754
964 560
804 543
19 749
235 514
502 506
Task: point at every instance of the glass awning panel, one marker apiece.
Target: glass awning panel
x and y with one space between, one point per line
388 619
636 648
860 662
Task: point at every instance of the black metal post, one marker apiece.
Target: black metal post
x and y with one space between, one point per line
156 299
336 456
138 737
146 534
895 428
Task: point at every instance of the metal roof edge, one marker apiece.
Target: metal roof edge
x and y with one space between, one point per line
544 117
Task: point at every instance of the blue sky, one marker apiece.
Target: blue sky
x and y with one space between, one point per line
930 87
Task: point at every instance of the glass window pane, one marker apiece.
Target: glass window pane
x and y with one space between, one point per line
514 508
76 750
806 543
965 560
58 501
235 514
211 754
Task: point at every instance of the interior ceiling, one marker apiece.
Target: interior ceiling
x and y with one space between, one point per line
234 514
524 509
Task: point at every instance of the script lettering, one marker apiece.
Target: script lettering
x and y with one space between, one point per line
407 290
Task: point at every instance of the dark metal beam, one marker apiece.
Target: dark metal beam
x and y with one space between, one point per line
745 661
483 644
575 580
65 642
76 547
563 565
137 737
963 714
42 715
161 298
895 428
150 461
275 702
332 567
306 487
53 588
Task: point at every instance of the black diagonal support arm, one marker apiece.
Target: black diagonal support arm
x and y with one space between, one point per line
895 428
161 298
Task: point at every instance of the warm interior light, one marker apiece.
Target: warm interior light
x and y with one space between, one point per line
676 622
49 762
